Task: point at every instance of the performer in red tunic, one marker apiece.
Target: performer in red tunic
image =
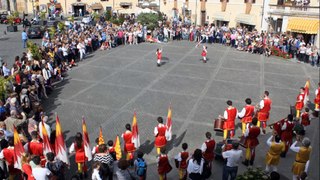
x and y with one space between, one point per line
229 115
182 158
317 101
128 145
159 57
164 166
7 154
305 118
77 147
264 111
207 149
300 102
35 147
287 133
95 148
204 54
160 134
246 114
251 141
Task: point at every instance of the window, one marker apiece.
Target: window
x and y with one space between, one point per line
250 1
224 0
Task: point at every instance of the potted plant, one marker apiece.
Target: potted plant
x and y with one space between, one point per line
43 20
12 22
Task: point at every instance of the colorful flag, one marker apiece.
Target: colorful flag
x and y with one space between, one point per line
86 141
60 146
117 148
18 149
306 92
135 131
45 138
101 140
169 125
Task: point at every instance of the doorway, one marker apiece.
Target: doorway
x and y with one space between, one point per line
76 10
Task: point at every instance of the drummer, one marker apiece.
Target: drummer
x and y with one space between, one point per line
246 114
229 115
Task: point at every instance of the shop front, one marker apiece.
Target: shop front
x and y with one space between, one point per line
308 28
247 21
221 18
79 9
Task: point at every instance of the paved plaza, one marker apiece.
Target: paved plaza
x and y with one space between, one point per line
109 86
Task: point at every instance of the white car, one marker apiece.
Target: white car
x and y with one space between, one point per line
86 19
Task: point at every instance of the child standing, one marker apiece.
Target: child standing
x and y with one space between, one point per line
181 162
164 166
305 119
95 173
140 166
159 56
204 54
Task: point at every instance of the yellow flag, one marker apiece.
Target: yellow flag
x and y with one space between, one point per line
117 148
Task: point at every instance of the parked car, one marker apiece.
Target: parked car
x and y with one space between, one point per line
35 32
3 18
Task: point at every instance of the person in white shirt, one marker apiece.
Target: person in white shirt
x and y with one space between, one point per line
95 173
6 71
195 165
233 157
39 172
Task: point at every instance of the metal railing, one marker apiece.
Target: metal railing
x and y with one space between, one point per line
294 10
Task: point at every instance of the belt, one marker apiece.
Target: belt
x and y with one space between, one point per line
300 162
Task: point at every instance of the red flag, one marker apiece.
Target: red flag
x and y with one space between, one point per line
306 92
18 149
45 138
101 140
60 146
117 148
169 125
86 141
135 131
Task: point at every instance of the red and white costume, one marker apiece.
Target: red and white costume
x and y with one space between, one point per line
182 157
35 147
287 133
317 99
251 135
8 155
159 56
160 134
230 115
204 52
265 107
163 164
299 101
207 149
80 156
95 150
128 145
305 119
246 114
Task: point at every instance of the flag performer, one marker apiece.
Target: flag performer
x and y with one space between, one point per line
60 146
159 56
317 101
129 146
45 139
300 102
159 133
204 54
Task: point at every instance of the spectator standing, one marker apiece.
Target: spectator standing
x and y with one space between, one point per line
56 166
38 171
195 165
141 166
24 38
233 158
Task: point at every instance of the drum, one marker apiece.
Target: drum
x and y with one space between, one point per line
218 125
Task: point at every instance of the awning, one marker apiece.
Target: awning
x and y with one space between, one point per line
221 16
125 4
302 25
78 4
96 6
246 19
126 11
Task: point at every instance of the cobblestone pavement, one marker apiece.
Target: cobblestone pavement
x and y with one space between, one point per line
108 86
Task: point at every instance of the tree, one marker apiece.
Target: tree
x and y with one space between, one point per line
149 19
34 49
107 15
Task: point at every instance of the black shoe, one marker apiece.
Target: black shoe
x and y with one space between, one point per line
251 162
246 162
283 154
158 65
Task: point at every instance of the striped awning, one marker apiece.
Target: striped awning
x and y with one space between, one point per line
302 25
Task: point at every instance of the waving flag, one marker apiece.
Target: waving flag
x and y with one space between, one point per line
86 141
18 149
45 138
135 131
60 146
117 148
306 92
101 140
169 125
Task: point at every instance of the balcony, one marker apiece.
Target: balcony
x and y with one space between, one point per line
293 10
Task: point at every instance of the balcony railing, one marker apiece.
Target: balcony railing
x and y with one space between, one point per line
294 10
